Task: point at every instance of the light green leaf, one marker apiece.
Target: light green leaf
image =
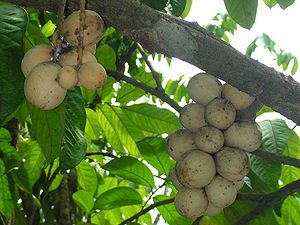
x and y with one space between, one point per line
4 135
109 183
92 128
131 169
87 177
290 210
106 56
154 152
13 22
115 130
6 201
242 11
295 66
285 3
48 29
48 127
84 200
270 3
58 178
187 8
117 197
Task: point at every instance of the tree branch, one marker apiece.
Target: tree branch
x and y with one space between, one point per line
277 158
161 95
144 211
111 155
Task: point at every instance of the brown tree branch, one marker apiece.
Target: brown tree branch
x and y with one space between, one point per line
161 95
174 37
277 158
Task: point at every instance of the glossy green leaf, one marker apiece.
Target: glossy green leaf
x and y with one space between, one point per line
290 210
6 201
48 128
275 138
74 142
169 213
13 22
131 169
87 177
285 3
242 11
84 200
187 8
115 130
117 197
10 156
109 183
270 3
106 56
177 7
156 4
154 152
92 128
152 119
4 135
48 29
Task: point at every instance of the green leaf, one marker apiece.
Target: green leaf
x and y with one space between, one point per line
84 200
152 119
285 3
275 138
131 169
48 127
74 142
154 152
290 210
13 22
156 4
107 91
169 213
10 156
58 178
106 56
21 179
6 201
109 183
295 66
92 128
187 9
34 36
270 3
115 130
177 7
117 197
4 135
48 29
87 177
242 11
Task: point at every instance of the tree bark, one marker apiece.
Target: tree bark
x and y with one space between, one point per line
159 32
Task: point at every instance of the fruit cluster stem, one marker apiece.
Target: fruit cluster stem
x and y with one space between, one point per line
60 21
81 33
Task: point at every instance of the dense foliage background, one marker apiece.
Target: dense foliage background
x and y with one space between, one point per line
100 157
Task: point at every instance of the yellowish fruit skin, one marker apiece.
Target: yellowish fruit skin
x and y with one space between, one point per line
209 139
41 88
67 77
93 31
192 116
92 75
70 58
34 56
91 48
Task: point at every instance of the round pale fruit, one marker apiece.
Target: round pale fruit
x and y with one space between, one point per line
209 139
204 87
244 135
232 163
180 142
70 58
192 116
67 77
41 88
91 48
93 29
92 75
195 169
239 99
174 180
36 55
239 184
191 203
212 210
220 113
221 192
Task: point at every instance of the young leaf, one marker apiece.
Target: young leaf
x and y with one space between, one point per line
6 201
117 197
87 177
270 3
131 169
84 200
13 22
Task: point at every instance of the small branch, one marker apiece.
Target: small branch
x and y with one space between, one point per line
108 154
161 95
268 200
144 211
152 193
155 74
60 21
277 158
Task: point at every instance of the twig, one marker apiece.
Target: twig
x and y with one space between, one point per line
268 200
101 153
197 221
60 21
158 215
126 57
152 193
277 158
144 211
155 74
161 95
81 34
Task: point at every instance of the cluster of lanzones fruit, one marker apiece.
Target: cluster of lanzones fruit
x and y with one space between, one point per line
211 150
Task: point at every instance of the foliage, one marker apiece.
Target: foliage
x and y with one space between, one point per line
101 155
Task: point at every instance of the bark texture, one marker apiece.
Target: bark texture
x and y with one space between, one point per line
174 37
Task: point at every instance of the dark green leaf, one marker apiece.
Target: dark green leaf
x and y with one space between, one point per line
151 118
48 128
156 4
117 197
131 169
74 142
84 200
21 179
6 201
34 36
13 22
169 213
177 7
4 135
87 177
154 152
187 8
10 155
285 3
242 11
106 56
